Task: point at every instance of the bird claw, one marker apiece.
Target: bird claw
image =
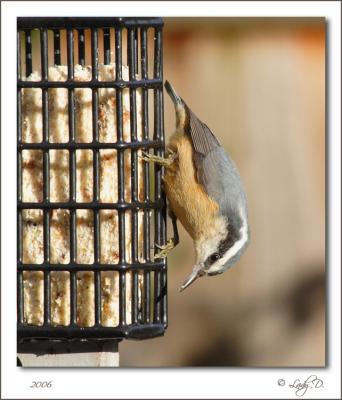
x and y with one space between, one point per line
164 161
164 249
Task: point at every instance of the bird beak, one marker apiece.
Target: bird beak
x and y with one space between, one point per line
196 273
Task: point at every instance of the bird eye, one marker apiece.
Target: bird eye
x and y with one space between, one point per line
214 257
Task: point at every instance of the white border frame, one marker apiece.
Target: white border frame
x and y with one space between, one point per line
183 383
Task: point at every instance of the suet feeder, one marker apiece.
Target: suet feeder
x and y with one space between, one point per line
89 209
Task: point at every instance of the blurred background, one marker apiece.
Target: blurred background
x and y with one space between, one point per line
259 84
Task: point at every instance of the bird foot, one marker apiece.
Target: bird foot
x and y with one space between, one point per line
164 249
164 161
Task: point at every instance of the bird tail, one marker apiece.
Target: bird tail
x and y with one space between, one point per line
172 93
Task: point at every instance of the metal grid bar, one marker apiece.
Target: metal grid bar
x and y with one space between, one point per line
57 46
20 283
117 84
161 195
28 53
72 146
145 127
72 175
72 332
87 22
121 178
96 190
106 45
19 62
136 46
132 63
93 205
90 267
159 284
141 325
81 47
46 175
20 301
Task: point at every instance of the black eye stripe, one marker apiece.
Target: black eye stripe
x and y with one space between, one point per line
214 257
232 236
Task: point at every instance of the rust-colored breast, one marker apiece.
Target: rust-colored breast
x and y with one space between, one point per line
188 199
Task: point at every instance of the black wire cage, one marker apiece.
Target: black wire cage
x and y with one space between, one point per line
92 42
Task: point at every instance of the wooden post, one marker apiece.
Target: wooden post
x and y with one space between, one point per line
63 353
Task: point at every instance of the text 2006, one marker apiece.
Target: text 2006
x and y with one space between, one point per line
41 384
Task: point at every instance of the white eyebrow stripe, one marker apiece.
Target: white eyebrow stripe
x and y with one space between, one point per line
235 248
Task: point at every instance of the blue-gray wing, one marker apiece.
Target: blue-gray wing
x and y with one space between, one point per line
218 174
216 171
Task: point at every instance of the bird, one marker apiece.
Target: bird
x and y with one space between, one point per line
204 192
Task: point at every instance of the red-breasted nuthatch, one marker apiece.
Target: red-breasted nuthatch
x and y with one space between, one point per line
205 193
